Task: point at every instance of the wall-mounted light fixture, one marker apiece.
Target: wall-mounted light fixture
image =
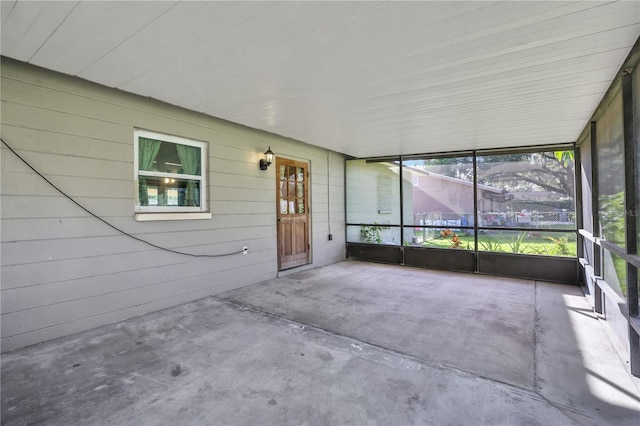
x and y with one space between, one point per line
267 160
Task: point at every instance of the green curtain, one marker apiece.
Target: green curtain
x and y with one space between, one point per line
190 159
147 153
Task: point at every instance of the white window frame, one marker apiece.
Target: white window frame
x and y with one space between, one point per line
144 213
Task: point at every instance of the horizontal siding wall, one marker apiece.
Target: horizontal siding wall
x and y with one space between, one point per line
64 271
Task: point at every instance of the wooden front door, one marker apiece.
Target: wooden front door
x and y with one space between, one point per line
293 213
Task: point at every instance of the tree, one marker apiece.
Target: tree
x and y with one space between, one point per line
549 171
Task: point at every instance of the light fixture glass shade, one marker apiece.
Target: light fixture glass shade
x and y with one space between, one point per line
268 156
267 160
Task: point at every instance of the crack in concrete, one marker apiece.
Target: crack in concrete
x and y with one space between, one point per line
536 326
536 380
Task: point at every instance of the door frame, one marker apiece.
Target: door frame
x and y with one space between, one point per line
306 164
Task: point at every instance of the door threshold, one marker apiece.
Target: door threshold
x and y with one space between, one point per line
295 269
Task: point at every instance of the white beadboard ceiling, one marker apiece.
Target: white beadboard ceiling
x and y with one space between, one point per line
361 78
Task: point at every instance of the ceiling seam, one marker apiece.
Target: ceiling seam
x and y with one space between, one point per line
130 36
13 7
462 41
53 32
191 49
503 71
319 61
230 64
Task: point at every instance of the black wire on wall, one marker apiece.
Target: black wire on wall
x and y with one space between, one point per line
105 221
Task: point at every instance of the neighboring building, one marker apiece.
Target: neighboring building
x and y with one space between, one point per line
437 197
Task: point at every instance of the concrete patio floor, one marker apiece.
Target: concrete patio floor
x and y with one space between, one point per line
350 343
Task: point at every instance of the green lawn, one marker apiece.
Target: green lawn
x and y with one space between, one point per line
526 242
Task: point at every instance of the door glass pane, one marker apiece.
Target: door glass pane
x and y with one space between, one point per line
283 189
292 190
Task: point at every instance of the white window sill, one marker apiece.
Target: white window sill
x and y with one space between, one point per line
145 217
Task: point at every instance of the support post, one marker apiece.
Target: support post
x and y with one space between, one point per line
577 166
400 172
630 204
597 250
476 266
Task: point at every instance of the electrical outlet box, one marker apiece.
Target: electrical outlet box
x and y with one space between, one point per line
245 250
330 237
